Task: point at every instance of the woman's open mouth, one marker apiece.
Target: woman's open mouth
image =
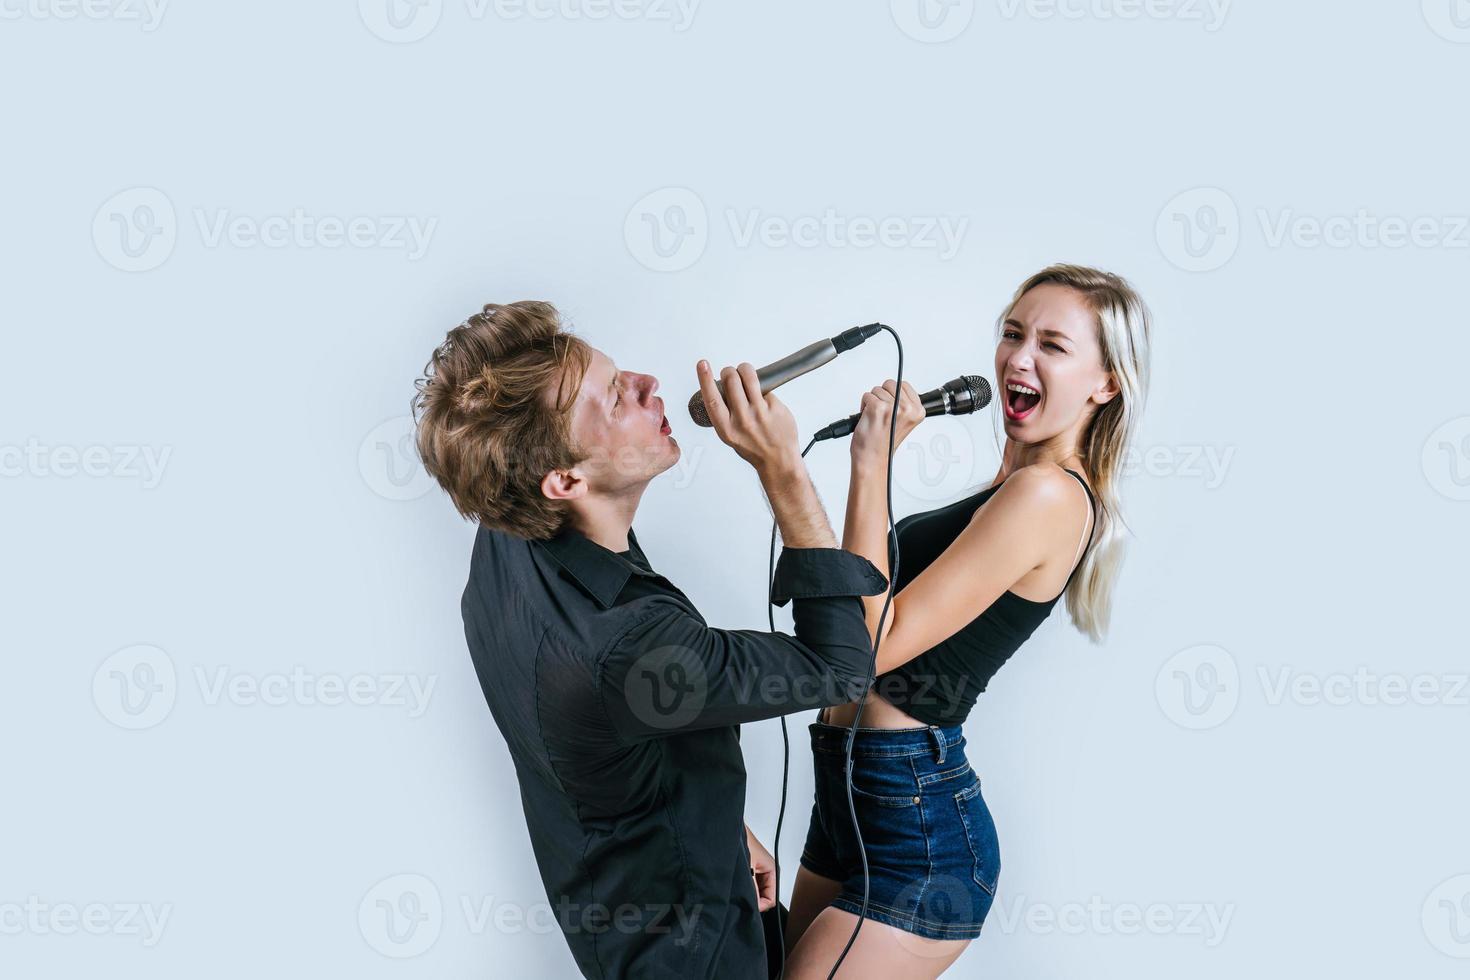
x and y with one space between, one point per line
1021 400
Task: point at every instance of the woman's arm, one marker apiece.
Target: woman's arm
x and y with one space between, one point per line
1036 514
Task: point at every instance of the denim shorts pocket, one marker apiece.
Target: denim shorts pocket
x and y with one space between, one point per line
885 782
981 835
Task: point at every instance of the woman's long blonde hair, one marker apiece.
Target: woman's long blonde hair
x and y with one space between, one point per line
1123 326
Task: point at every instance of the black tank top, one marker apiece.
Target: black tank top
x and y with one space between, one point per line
941 685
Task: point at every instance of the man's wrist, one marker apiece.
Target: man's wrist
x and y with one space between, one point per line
781 472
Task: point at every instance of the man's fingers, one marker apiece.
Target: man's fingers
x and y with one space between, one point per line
735 401
714 405
752 382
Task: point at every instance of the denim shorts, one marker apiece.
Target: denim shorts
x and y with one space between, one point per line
933 854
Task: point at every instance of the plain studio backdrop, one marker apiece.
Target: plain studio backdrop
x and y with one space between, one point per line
243 735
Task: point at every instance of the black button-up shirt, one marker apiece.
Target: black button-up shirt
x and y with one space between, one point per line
620 706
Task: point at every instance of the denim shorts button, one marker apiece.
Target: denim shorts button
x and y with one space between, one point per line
916 799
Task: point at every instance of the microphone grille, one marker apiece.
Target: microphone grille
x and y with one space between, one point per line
979 390
697 412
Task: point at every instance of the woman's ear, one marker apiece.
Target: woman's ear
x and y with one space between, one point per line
1106 391
563 484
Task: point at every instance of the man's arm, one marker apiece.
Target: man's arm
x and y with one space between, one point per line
670 672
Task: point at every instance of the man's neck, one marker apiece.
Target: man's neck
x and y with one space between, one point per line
606 520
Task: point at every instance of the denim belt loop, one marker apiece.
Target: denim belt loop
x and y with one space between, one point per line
939 746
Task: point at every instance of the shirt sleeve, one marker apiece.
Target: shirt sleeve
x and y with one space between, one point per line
671 673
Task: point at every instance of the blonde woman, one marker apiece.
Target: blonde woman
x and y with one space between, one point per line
975 579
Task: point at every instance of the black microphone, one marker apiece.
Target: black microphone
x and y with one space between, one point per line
777 373
961 396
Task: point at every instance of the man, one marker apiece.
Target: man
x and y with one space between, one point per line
620 705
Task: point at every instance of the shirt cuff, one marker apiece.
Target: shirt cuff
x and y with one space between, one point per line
816 573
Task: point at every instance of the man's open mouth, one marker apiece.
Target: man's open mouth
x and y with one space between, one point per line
1020 400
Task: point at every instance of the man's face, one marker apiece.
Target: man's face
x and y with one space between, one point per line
622 427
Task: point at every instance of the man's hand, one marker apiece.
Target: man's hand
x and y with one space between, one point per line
763 870
760 429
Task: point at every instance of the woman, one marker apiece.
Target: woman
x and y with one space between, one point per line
975 579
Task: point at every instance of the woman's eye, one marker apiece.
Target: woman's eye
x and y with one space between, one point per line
1054 346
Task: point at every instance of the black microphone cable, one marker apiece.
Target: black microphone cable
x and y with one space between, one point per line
892 541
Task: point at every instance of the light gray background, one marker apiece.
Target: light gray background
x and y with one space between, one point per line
1299 498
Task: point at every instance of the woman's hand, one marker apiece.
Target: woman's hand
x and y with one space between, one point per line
870 438
763 870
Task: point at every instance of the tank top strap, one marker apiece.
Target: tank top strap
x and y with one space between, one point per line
1091 525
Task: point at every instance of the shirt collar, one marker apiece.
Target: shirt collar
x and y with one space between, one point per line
601 573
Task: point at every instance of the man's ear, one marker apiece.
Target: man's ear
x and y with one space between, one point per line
1106 391
564 484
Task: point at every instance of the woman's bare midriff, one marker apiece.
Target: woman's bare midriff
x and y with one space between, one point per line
877 713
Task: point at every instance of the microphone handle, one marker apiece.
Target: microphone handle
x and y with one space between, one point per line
775 374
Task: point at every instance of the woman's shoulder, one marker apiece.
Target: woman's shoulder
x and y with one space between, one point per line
1046 482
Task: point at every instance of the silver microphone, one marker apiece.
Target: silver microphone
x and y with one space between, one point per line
777 373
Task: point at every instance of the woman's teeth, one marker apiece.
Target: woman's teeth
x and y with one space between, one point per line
1021 399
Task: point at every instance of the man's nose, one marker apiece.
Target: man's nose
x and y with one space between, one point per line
650 385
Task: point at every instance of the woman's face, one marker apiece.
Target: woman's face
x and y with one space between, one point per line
1049 345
